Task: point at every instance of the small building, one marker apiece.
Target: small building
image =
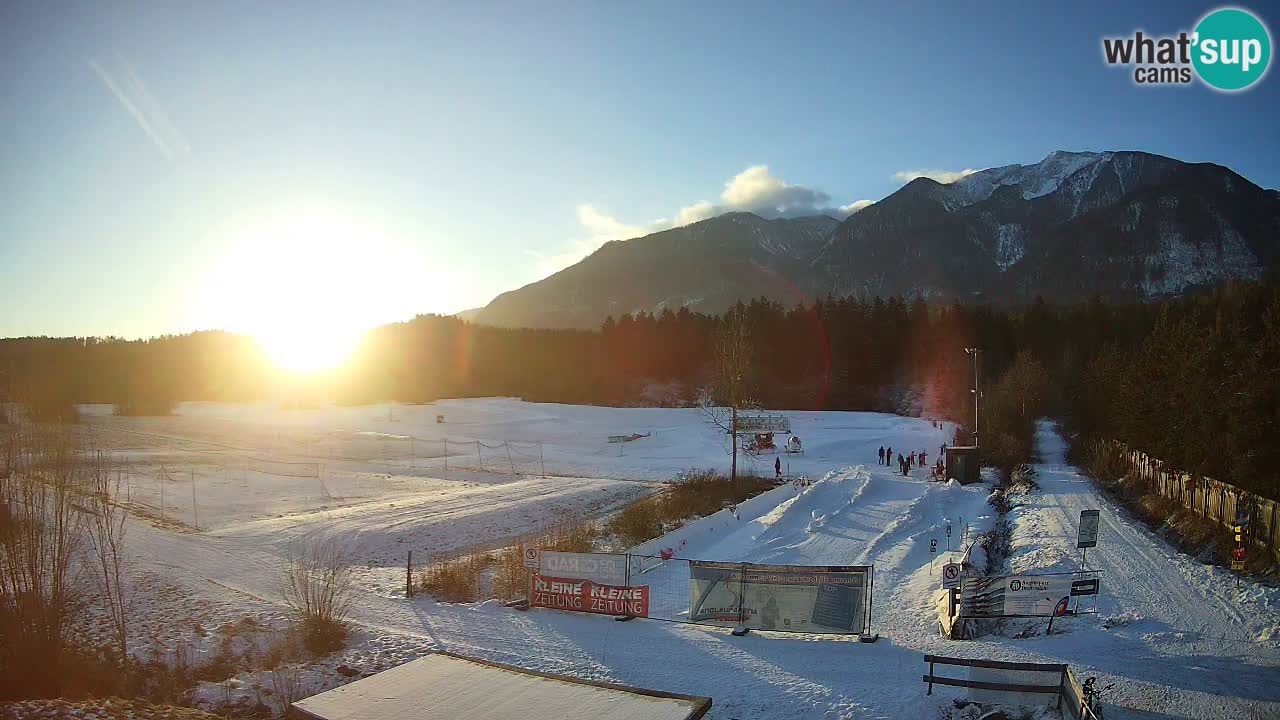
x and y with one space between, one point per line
443 685
964 464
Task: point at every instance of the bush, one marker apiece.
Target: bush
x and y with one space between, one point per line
455 579
694 494
316 585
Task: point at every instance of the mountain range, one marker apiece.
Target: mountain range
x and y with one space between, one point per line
1119 225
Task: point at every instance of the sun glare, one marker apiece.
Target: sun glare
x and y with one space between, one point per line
310 286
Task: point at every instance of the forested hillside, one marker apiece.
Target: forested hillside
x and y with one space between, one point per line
1194 381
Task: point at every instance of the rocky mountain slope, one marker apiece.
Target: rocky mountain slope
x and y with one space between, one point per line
1122 225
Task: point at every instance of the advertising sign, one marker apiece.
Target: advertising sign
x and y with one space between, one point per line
763 423
600 568
830 599
1088 536
586 596
1023 595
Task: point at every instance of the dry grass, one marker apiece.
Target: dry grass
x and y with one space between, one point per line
694 494
461 578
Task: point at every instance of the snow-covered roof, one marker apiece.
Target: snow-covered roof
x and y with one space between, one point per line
443 685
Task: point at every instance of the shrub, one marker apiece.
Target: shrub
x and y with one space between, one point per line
316 585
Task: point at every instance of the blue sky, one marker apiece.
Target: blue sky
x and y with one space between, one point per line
152 155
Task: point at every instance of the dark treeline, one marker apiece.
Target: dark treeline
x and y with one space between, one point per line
1194 381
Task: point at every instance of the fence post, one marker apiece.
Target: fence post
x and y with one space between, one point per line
742 596
408 576
479 457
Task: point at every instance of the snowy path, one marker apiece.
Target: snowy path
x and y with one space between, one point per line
1172 634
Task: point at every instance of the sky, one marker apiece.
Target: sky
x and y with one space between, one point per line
167 167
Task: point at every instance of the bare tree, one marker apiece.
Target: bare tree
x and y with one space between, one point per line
316 585
109 513
41 540
720 403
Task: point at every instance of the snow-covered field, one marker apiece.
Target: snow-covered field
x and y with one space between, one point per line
1173 636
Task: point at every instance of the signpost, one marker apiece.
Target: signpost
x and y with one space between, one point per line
933 549
1088 535
532 558
951 575
1238 554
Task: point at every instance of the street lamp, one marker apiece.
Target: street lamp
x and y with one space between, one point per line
977 394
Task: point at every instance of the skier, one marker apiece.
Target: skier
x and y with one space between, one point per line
777 468
902 464
880 456
923 461
888 456
911 459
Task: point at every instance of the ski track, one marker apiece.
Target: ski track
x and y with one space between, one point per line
1157 636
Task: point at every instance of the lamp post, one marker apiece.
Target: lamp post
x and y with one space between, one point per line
977 394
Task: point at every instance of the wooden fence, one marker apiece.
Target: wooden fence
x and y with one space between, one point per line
1210 498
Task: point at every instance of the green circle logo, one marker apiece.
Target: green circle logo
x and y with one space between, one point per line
1232 49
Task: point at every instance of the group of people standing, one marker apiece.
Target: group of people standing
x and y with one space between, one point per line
905 463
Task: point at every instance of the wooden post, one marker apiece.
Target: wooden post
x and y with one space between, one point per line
541 462
507 445
408 576
446 454
479 457
194 512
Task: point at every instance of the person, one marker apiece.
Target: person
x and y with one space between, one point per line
911 459
777 468
888 456
923 461
902 464
880 456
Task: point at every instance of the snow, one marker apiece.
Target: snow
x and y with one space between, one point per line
1011 239
1034 181
1172 634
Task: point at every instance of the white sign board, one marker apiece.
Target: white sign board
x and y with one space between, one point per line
1015 595
951 575
1088 529
599 568
531 557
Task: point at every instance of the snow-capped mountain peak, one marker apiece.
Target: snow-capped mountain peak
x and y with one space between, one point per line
1034 181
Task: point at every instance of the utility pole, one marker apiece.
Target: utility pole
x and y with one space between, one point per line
977 392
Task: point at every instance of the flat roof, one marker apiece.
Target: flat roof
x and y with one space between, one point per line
444 685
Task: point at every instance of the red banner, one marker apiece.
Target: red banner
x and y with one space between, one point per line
586 596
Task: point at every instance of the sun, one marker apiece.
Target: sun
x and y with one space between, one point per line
309 286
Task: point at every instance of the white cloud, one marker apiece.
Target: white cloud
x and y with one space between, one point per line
855 206
606 226
945 177
754 190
